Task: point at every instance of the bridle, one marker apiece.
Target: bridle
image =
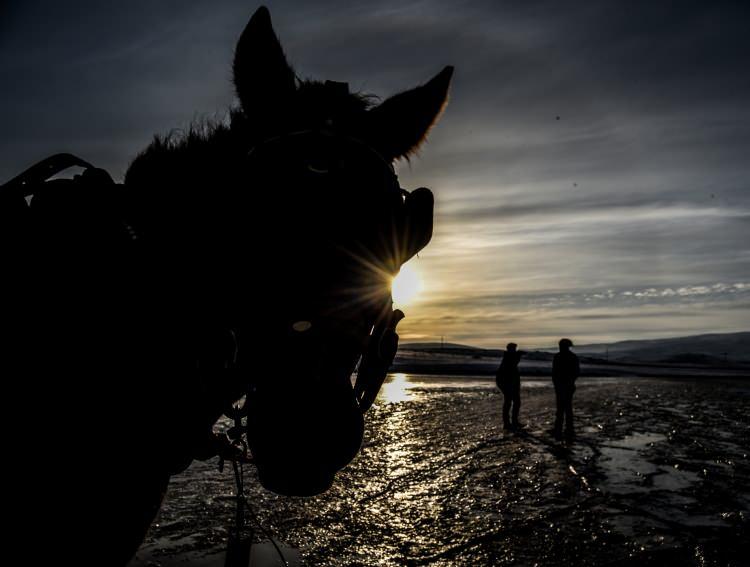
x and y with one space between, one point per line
338 177
380 350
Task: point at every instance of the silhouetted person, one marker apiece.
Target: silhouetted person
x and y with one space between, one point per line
565 370
508 380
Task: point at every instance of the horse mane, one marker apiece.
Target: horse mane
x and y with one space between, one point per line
217 143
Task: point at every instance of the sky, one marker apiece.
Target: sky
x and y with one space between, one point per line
591 171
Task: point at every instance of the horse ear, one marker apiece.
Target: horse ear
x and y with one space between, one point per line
262 77
400 124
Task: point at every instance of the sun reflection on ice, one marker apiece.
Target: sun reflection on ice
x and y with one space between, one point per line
396 388
397 430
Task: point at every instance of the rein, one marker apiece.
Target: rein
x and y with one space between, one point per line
327 133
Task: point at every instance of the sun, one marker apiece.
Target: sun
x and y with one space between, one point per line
406 285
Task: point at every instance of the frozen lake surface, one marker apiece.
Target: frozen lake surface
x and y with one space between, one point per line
658 474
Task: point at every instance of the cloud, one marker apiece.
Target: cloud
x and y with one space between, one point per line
600 146
540 318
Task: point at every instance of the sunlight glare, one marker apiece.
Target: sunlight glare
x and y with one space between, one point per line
406 285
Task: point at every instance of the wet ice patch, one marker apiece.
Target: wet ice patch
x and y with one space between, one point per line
627 468
638 441
625 471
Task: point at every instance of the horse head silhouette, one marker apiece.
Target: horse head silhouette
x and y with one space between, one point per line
298 222
252 258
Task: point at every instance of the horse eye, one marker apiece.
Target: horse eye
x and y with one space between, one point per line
301 326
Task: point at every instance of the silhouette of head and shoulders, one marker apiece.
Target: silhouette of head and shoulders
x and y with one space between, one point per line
565 364
512 356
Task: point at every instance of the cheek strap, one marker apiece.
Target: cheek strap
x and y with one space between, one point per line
377 359
416 233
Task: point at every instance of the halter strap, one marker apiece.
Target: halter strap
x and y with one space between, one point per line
329 133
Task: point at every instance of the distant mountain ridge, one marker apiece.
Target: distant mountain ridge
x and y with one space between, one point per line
705 348
430 346
717 346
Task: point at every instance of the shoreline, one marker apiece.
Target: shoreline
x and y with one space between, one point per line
474 370
460 366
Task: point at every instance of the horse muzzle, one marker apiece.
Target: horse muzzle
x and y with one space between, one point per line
305 423
300 444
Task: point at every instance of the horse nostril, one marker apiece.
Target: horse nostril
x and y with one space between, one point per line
318 168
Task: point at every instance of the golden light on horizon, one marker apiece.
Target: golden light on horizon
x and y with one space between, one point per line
406 285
